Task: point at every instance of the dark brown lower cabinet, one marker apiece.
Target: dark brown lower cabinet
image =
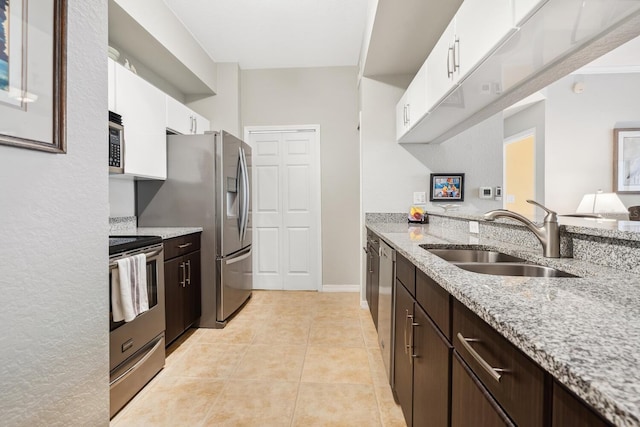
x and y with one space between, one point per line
471 403
373 275
431 369
570 411
422 364
182 285
403 365
173 299
477 377
375 282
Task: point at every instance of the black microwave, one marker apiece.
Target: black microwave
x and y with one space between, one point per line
116 143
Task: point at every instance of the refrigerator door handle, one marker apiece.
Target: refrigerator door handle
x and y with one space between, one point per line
229 261
245 194
240 181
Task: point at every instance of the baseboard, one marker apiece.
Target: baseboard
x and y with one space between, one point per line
364 305
340 288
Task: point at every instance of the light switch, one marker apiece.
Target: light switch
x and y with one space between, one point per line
474 227
419 197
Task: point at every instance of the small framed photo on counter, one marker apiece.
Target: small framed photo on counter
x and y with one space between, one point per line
447 187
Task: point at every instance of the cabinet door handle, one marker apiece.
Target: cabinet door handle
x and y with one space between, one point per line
456 54
188 279
195 125
449 72
412 355
185 245
406 320
184 275
493 372
408 114
370 263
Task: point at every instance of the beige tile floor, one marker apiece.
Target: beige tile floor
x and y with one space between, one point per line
287 359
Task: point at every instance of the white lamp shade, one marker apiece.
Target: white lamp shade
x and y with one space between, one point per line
601 203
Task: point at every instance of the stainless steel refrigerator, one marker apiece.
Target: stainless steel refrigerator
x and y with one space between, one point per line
208 185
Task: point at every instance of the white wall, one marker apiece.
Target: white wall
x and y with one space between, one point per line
54 357
476 152
579 135
223 110
328 97
164 26
390 174
121 196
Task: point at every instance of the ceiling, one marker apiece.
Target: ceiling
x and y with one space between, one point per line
276 33
404 34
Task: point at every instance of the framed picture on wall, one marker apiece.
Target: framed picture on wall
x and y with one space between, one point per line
33 74
447 187
626 160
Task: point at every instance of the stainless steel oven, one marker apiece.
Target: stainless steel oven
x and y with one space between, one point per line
136 348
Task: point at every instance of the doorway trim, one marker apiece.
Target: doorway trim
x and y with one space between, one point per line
318 177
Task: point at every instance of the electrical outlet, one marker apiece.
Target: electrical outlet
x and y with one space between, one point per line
419 197
474 227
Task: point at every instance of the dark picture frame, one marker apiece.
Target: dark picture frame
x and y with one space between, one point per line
446 187
626 160
33 41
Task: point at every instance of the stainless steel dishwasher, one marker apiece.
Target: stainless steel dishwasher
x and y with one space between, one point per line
385 305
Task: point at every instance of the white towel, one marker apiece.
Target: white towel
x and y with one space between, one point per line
129 288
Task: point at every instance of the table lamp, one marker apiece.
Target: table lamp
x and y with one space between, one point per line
601 205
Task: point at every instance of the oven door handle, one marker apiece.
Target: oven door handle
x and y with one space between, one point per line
149 255
129 371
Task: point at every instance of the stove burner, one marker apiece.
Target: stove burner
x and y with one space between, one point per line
119 244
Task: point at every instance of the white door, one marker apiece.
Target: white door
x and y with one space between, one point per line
286 209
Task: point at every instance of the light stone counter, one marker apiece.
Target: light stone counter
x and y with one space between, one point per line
584 331
126 226
164 232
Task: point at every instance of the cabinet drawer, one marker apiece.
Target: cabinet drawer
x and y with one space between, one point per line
519 389
435 301
406 273
181 245
471 403
569 409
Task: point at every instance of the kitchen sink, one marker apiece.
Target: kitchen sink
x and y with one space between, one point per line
473 255
513 269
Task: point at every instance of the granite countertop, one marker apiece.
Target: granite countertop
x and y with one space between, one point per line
164 232
584 331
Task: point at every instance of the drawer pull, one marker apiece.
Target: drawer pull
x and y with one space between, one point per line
186 245
412 355
409 316
494 372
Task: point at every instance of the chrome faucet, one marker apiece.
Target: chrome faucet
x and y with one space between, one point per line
548 233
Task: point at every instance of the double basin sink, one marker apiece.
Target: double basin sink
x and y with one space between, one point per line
492 262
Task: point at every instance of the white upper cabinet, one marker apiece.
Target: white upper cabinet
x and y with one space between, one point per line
111 87
480 27
523 8
497 52
179 117
183 120
200 124
477 29
412 107
142 107
440 67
